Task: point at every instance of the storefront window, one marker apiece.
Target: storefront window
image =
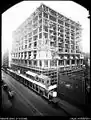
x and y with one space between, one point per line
46 63
40 63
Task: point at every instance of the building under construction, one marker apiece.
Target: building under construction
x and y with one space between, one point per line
47 42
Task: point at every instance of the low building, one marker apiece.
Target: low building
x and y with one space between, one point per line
5 61
71 87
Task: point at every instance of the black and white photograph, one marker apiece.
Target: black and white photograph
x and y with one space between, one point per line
45 60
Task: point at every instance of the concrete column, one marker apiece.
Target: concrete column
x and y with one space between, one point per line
42 63
48 63
70 63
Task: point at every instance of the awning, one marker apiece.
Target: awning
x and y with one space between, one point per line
31 73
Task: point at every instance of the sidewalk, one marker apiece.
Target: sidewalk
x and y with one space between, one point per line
70 109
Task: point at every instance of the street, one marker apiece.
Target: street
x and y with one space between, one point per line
28 102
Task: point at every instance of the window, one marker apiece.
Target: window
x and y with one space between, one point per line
29 23
66 24
73 61
42 81
40 15
30 62
72 27
40 8
35 37
25 46
19 54
68 62
25 41
25 36
35 19
52 18
40 63
60 16
52 12
60 22
25 54
30 39
46 63
35 44
25 61
35 25
30 45
61 62
40 21
45 15
45 35
45 8
30 34
22 47
66 50
35 62
35 31
40 35
52 62
29 53
40 28
45 28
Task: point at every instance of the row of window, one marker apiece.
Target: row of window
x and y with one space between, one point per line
52 62
45 28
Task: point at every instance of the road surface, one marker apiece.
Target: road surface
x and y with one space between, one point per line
28 102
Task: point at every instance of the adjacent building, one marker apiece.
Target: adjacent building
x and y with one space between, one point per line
5 61
47 41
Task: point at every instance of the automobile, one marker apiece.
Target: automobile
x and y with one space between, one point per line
5 87
11 94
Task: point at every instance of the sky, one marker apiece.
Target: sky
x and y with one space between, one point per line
17 14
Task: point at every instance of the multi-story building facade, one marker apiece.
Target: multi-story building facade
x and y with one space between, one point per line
5 61
43 36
